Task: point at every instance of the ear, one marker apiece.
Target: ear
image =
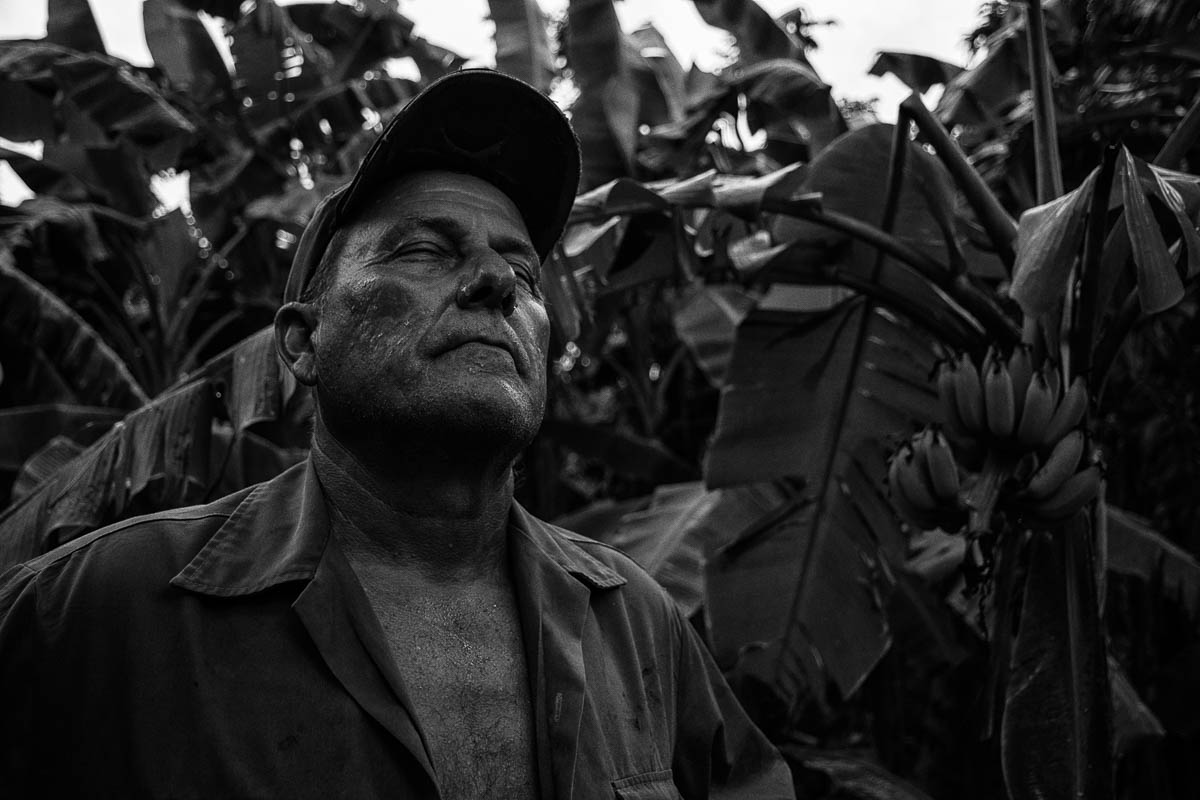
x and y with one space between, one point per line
295 327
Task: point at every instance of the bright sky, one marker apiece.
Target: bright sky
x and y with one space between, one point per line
846 50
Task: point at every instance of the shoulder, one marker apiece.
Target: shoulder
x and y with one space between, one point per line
608 567
150 543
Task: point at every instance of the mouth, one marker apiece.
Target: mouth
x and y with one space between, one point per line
487 342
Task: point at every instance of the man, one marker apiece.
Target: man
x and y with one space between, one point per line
383 620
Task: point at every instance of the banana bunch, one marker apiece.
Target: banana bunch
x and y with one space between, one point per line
1007 403
1065 482
925 481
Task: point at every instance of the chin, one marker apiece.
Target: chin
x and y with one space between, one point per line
494 419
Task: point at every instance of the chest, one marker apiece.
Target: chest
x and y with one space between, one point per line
463 666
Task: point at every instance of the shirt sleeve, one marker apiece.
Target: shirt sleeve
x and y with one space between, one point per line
719 753
18 627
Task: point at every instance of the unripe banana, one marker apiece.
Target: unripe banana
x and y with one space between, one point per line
914 476
968 395
1069 412
1036 412
943 470
998 400
1020 372
905 508
1054 377
1076 492
1060 465
946 394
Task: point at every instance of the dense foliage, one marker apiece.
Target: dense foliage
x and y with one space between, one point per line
752 306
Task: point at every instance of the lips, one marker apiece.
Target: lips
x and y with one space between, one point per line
463 339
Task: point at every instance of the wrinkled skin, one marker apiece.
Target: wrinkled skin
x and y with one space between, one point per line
432 326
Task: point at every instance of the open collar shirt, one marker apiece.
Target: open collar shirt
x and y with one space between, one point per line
228 650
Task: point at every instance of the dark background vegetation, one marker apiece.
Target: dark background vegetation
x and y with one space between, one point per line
742 336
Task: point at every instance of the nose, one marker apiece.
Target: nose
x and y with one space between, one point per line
491 285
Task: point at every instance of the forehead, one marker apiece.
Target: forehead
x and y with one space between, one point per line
438 193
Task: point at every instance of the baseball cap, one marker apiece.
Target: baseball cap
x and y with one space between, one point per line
476 121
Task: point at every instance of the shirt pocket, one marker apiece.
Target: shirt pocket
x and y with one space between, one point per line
657 785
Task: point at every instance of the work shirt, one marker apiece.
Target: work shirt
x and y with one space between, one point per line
228 650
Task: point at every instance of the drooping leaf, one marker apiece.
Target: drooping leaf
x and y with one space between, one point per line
759 36
63 359
916 71
42 464
619 196
707 323
850 175
605 114
70 23
28 113
171 257
1055 732
277 67
600 520
661 539
1049 238
655 61
184 50
818 263
357 37
820 396
987 94
788 97
622 451
124 105
1133 722
1158 281
26 429
1137 550
159 448
159 456
1180 194
854 775
522 42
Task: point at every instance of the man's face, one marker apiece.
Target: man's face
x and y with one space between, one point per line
433 322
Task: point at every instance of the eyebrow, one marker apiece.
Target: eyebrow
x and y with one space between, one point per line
452 228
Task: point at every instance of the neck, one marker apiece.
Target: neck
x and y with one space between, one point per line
441 515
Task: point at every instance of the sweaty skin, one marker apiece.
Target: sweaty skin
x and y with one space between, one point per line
427 354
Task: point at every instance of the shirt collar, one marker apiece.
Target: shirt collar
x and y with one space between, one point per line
279 532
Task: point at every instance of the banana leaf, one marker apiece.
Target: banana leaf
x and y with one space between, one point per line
759 36
185 51
358 37
26 429
1056 735
707 322
916 71
70 23
522 43
663 539
1048 243
605 115
51 355
277 66
1137 550
160 456
823 397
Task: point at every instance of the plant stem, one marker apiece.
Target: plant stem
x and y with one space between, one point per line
958 287
1045 130
895 182
1082 322
1000 227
